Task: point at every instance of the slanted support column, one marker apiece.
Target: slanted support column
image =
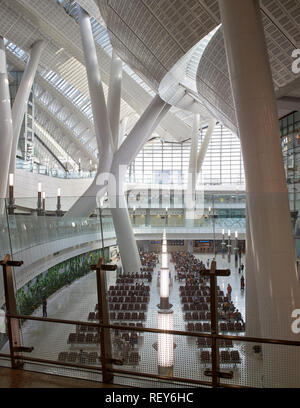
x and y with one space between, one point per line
87 202
204 145
192 174
278 290
195 166
20 102
114 98
6 132
122 158
122 130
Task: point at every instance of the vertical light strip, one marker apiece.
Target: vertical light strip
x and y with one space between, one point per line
165 341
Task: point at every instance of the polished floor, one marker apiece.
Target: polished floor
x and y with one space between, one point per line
77 300
25 379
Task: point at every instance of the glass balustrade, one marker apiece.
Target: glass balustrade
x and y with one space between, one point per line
31 221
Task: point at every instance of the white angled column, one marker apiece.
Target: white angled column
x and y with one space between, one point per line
114 98
122 158
122 131
191 184
278 289
21 99
87 203
193 156
205 144
6 132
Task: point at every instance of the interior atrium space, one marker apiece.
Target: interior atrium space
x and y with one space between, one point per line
150 194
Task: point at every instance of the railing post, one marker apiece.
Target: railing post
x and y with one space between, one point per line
11 308
214 326
104 334
215 372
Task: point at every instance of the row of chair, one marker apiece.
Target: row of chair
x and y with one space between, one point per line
197 316
93 316
82 358
129 287
130 276
203 316
231 327
119 316
181 276
198 327
130 336
196 287
198 292
127 316
137 292
201 299
83 338
86 328
134 276
224 327
131 358
125 280
131 324
198 306
128 299
226 357
203 342
128 306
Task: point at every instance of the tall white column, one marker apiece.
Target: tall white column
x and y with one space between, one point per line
193 158
251 304
87 203
278 290
122 158
5 125
192 175
114 98
20 102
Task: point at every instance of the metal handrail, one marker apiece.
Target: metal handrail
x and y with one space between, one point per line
153 330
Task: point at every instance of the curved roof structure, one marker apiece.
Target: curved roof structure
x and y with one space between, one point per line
61 72
213 83
176 26
155 39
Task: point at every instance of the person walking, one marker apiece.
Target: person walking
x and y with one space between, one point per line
226 308
229 290
44 308
240 255
242 283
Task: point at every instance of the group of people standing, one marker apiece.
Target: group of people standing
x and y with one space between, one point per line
231 312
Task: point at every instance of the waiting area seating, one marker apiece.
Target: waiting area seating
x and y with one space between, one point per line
204 342
78 357
127 316
226 357
223 327
148 260
83 338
